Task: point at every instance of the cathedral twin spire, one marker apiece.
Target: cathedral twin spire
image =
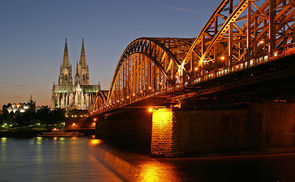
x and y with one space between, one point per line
82 56
82 71
66 59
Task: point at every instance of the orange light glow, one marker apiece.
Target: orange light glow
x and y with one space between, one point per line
222 58
261 42
93 136
150 87
94 119
162 132
156 172
150 109
95 142
196 68
74 124
93 124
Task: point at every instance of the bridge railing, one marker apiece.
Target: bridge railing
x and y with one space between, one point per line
287 50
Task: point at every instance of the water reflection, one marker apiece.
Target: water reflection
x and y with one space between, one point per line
3 143
3 139
39 155
155 171
94 142
3 149
50 159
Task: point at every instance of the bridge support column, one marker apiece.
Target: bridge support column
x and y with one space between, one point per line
162 132
255 127
178 132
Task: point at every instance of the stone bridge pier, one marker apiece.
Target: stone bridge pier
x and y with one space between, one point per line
171 132
130 128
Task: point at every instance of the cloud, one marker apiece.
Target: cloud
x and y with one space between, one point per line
183 9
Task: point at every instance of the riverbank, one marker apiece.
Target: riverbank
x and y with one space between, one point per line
22 133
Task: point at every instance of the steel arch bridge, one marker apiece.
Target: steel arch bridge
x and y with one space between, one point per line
238 35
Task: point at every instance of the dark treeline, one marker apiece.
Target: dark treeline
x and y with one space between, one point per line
41 117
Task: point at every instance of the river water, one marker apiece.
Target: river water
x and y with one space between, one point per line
75 159
56 159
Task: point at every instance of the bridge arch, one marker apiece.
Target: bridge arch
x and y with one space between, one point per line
100 100
147 66
238 31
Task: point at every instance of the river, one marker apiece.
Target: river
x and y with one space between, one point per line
56 159
76 159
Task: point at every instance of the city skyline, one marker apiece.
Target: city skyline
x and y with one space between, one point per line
32 38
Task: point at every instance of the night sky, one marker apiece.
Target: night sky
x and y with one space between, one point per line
32 34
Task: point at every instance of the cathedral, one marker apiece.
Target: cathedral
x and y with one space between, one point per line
78 94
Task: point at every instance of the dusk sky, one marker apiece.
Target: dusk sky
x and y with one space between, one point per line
32 37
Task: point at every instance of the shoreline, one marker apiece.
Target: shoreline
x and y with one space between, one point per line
21 133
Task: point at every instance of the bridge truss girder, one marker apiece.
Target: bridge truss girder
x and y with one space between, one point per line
238 31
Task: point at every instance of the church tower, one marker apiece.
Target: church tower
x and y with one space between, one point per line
79 95
82 70
65 75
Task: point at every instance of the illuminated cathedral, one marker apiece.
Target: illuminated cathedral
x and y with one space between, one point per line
78 94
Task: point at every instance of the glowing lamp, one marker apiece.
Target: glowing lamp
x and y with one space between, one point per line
196 68
150 109
94 119
222 58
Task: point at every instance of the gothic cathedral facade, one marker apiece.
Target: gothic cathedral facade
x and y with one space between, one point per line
78 94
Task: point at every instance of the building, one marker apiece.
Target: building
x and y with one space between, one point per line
20 107
78 94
